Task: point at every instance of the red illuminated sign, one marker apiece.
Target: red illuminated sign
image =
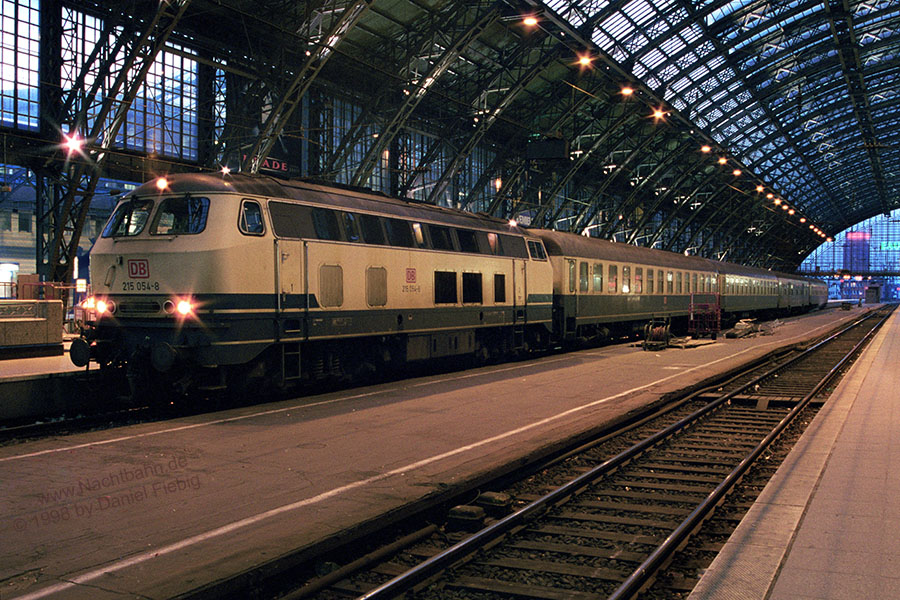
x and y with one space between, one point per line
273 164
138 269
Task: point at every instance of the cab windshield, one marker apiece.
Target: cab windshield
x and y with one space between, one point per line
180 216
129 219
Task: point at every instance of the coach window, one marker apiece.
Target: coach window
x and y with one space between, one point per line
582 277
351 231
471 288
612 280
649 281
626 280
326 224
370 226
638 280
398 232
467 240
598 277
679 285
659 282
181 216
251 218
670 282
571 276
694 287
445 287
499 288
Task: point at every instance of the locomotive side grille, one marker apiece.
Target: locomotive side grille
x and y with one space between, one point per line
138 306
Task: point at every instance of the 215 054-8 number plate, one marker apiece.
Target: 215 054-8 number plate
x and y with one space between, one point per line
140 286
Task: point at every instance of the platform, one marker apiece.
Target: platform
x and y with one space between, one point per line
159 509
38 366
40 385
827 526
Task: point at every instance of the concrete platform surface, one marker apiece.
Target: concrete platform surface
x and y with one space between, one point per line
827 526
157 509
38 366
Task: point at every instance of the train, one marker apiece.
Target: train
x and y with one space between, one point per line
212 282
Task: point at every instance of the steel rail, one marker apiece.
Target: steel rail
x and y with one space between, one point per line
644 574
442 561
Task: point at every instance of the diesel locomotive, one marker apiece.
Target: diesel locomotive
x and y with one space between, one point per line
211 282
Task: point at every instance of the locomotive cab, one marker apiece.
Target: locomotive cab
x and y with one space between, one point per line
163 273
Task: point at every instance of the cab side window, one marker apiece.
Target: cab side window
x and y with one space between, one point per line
251 218
536 249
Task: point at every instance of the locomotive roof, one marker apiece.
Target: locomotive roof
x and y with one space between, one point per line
326 195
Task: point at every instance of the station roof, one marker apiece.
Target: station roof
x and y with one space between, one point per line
754 128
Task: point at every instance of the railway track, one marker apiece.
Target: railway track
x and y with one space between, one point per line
619 512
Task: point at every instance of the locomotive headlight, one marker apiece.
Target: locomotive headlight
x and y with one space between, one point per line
104 307
184 307
180 307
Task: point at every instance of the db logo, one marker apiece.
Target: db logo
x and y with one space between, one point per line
138 269
410 276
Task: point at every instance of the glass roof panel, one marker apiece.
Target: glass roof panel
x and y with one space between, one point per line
727 9
770 79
